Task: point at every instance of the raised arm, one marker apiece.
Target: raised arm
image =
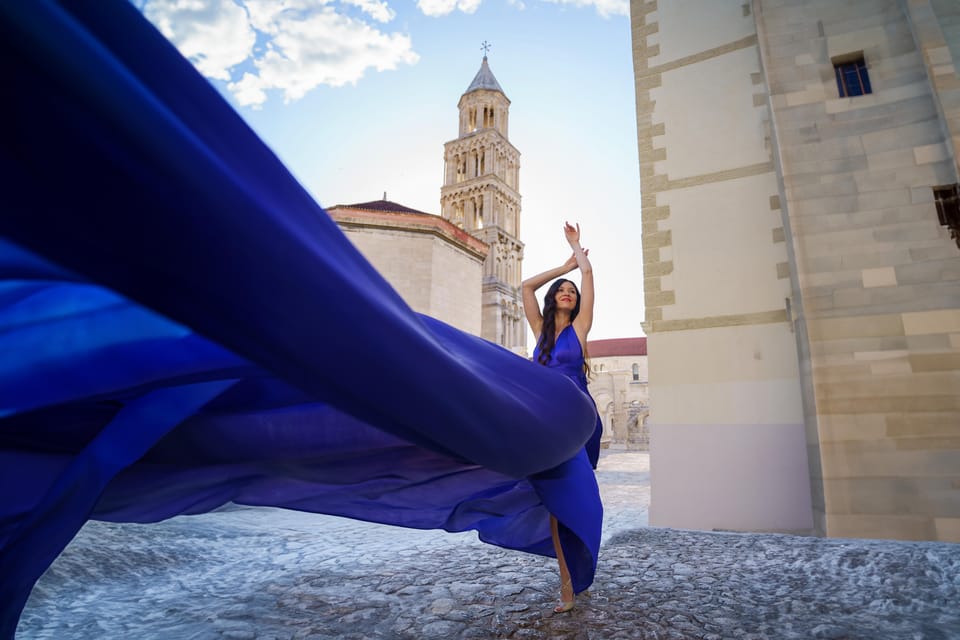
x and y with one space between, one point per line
584 319
531 308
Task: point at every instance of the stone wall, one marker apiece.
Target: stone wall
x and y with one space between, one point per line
436 268
755 171
726 419
878 277
623 403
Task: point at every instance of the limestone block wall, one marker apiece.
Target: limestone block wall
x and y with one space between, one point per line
726 420
877 278
936 29
503 320
404 259
436 268
430 275
455 295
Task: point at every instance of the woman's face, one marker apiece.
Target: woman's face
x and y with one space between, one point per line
566 296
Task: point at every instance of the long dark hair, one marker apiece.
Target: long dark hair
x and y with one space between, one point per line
548 331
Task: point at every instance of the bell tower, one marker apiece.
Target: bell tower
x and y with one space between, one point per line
480 195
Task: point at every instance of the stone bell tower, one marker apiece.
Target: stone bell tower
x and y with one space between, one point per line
480 195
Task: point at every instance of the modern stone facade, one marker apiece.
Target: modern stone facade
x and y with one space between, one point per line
618 384
434 266
480 195
803 300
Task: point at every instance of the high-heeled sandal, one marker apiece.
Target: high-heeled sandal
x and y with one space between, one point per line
565 605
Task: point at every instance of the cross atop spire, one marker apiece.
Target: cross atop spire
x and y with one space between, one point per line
485 47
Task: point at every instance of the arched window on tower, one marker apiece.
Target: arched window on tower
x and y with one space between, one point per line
472 119
483 158
488 117
478 217
458 214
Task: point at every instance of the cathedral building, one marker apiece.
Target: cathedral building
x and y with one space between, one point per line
463 266
481 195
799 175
618 384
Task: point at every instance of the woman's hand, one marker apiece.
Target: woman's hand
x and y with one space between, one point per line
571 262
572 233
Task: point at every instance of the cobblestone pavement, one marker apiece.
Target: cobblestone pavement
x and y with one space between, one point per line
270 574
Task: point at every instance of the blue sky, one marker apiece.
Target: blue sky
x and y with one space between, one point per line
357 97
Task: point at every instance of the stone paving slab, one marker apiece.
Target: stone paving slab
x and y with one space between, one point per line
271 574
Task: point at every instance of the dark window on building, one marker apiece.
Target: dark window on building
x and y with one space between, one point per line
636 371
852 78
947 199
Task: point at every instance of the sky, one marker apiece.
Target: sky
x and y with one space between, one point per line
357 98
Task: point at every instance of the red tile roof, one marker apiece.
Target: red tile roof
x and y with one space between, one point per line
379 205
617 347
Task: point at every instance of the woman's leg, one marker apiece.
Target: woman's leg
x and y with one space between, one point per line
566 584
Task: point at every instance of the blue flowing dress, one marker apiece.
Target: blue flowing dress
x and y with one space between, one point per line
182 325
567 358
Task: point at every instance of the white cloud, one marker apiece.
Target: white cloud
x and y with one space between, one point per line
379 11
213 34
306 43
605 8
309 48
437 8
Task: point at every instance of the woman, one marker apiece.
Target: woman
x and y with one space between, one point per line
562 331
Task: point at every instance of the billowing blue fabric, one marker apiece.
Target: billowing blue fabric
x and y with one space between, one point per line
567 358
181 325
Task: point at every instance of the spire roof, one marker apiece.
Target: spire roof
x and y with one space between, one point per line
380 205
484 80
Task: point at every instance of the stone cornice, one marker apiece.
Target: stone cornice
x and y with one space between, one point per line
425 223
477 95
736 45
661 183
478 183
476 136
712 322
